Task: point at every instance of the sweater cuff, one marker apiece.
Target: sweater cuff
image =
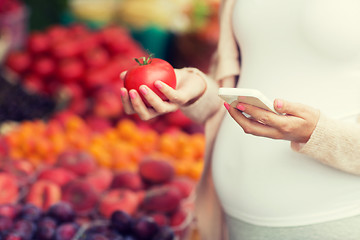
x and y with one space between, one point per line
207 104
334 143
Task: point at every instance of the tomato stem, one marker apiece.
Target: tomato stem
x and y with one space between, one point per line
145 61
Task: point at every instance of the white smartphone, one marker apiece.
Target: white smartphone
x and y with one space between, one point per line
250 96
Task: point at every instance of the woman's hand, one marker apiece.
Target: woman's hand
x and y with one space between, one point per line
189 88
297 123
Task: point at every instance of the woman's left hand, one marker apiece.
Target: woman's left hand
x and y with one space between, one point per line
296 124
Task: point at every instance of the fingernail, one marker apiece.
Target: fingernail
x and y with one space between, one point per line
132 95
240 107
279 104
158 84
143 90
227 106
123 92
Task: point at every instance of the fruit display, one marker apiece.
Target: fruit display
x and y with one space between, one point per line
77 70
154 195
77 66
119 147
73 166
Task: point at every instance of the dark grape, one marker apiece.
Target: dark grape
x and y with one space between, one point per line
62 212
30 212
66 231
145 228
121 222
46 229
26 228
165 233
6 224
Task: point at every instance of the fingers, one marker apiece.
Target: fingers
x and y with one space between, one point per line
125 98
263 116
253 126
172 94
155 101
133 103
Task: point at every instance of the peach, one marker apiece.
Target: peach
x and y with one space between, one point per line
156 171
9 188
81 195
178 217
10 210
127 179
165 199
118 199
43 194
58 175
100 179
21 169
160 218
79 162
184 184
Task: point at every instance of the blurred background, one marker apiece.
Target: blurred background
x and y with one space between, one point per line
67 150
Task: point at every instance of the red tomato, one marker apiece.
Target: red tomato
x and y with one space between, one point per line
71 70
147 72
38 43
96 58
44 66
18 61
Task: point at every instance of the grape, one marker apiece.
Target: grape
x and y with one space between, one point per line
62 212
46 229
30 212
121 221
145 228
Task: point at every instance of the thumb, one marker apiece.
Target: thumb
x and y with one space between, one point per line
122 75
289 108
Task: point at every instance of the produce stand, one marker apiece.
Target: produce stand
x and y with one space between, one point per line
73 165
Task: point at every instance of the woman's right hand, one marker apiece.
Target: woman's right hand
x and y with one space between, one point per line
190 86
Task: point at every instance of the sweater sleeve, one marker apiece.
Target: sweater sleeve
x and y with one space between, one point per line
334 143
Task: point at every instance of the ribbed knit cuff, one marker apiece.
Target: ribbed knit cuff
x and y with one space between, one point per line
207 104
334 143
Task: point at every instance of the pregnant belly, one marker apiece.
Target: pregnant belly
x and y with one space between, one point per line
263 180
